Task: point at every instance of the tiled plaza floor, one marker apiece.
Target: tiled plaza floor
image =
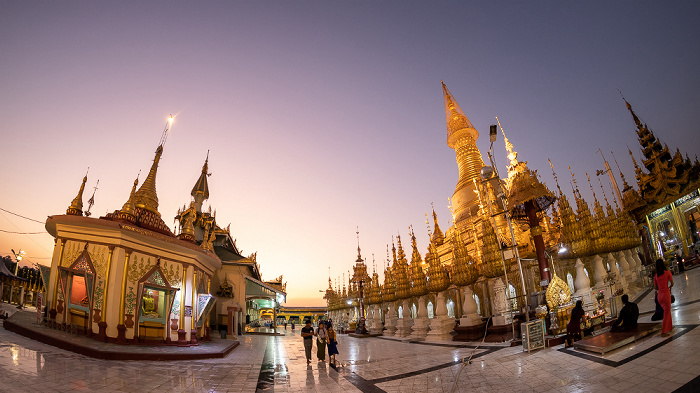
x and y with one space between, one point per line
276 364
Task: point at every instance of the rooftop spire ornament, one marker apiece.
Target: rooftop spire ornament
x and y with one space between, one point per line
76 206
91 201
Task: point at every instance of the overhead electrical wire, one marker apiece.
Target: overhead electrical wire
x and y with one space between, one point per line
19 215
23 233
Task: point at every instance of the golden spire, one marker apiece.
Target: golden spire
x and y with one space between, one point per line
438 236
418 281
128 207
492 266
462 136
464 269
389 290
76 207
146 197
200 191
400 272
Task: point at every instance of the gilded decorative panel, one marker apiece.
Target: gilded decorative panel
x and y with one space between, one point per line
172 271
138 266
99 255
99 294
71 251
130 301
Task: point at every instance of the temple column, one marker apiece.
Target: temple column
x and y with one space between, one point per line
420 323
53 281
102 324
193 319
442 324
182 333
470 316
121 328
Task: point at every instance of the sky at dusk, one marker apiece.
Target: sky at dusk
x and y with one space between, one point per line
322 116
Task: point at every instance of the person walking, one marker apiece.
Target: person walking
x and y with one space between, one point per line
573 328
307 332
292 325
321 339
663 292
332 343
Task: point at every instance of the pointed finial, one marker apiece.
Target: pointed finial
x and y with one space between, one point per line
576 191
76 206
556 181
146 196
128 207
591 186
91 201
359 256
625 186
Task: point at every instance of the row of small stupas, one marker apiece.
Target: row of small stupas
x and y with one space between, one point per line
602 244
127 278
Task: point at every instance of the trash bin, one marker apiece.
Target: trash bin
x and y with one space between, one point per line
223 334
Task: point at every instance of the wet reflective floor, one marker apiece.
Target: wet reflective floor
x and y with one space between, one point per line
277 364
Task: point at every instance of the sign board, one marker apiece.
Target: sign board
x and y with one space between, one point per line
533 335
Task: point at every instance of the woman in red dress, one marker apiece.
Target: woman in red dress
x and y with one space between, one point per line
663 293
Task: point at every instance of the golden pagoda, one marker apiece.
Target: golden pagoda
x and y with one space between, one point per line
400 273
389 289
418 279
465 270
492 264
462 136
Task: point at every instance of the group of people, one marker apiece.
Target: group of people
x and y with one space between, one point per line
325 336
627 319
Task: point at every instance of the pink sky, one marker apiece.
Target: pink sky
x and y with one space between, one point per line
320 117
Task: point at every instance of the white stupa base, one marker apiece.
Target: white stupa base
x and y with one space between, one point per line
390 325
419 328
440 329
470 320
403 327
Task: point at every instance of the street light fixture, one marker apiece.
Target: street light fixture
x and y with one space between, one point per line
18 257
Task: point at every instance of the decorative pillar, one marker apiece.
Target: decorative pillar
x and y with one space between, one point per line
230 333
193 319
442 324
403 324
390 320
121 328
377 322
55 272
182 332
499 303
470 316
420 323
102 324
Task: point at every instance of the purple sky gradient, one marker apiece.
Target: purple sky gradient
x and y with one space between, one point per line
324 116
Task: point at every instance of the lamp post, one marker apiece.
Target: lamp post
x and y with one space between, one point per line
18 257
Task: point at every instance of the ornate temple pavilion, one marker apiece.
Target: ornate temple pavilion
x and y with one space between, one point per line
127 278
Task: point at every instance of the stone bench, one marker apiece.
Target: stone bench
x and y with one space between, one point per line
610 341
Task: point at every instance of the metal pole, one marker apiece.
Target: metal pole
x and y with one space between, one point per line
503 261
